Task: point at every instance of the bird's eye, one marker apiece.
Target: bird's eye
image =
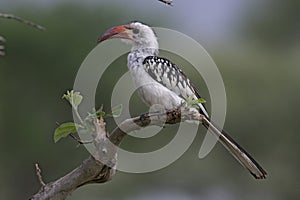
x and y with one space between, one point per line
135 31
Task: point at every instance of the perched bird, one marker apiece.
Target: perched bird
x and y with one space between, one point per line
159 81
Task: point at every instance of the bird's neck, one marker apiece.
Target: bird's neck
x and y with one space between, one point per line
144 51
137 55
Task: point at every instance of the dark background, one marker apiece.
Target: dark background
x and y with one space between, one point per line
255 46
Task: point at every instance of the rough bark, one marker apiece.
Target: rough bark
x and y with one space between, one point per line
93 171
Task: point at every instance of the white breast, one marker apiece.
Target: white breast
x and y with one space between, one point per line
153 92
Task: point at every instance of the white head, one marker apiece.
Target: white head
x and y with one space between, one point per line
136 33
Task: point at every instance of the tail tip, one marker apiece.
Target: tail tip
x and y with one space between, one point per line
262 175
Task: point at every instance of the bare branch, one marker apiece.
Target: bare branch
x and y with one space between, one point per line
19 19
168 2
39 175
92 170
2 40
149 119
79 140
87 172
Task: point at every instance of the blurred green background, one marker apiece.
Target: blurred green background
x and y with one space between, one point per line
255 45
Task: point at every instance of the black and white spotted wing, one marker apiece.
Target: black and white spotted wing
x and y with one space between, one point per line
172 77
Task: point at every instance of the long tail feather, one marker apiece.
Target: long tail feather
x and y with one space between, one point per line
244 158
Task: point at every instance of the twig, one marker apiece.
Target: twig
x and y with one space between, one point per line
19 19
80 141
78 115
2 40
39 175
168 2
24 21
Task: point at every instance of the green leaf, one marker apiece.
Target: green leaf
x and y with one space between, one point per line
100 113
201 100
193 103
74 98
117 110
64 130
